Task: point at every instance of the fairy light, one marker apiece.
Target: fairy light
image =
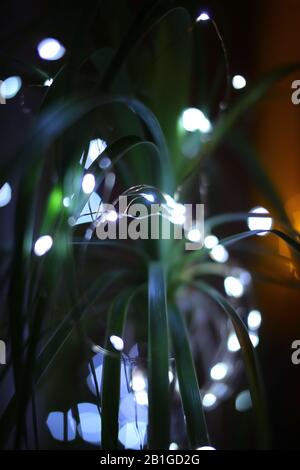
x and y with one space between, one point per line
173 446
233 287
117 342
10 87
138 382
209 400
105 163
88 183
5 194
210 241
48 82
254 338
194 235
254 319
245 277
233 344
88 234
50 49
194 119
66 201
239 82
72 221
203 17
177 213
43 245
243 401
220 389
149 197
206 448
111 216
219 254
171 203
219 371
260 223
177 219
141 397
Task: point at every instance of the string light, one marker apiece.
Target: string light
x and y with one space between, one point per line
48 82
149 197
203 17
50 49
43 245
233 287
243 401
254 339
233 344
171 203
141 398
260 223
111 216
219 371
209 400
105 163
177 214
206 448
5 194
210 241
117 342
194 235
194 119
254 320
10 87
238 82
138 382
219 254
173 446
88 183
66 201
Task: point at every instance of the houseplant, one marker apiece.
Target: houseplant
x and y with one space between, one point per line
114 108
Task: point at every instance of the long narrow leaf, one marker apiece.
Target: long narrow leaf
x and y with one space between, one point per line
158 357
50 351
251 363
110 393
188 384
247 100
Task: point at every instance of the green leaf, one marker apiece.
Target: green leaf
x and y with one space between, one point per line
290 241
278 233
110 393
23 67
54 122
187 378
158 358
249 98
247 153
144 22
250 359
54 345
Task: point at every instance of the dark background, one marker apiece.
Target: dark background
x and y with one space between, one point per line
258 36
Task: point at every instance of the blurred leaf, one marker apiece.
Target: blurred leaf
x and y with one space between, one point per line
149 16
53 346
188 384
158 359
249 98
250 359
110 393
248 155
